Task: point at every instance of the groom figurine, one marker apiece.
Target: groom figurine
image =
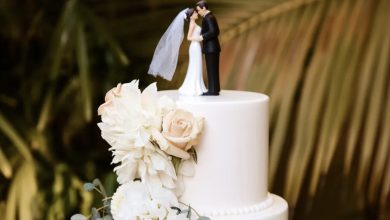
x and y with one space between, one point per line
211 47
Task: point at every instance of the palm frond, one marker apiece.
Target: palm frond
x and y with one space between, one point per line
377 96
10 132
5 165
21 194
313 60
275 11
83 63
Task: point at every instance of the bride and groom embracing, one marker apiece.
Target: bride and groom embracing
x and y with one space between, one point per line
165 57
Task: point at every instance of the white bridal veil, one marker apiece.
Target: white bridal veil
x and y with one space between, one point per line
165 56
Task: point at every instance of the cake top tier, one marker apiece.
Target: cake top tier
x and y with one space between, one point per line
232 154
226 97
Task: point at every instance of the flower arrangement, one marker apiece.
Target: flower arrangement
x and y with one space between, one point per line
152 142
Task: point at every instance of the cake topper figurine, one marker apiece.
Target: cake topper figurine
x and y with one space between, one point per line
165 57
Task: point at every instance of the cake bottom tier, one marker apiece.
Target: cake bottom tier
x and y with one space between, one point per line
274 208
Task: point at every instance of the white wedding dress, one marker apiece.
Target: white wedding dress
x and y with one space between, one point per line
193 84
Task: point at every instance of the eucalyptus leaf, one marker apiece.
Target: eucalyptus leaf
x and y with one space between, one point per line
107 217
95 214
78 217
203 218
98 183
89 187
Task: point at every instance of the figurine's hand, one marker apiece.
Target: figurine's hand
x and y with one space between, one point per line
199 39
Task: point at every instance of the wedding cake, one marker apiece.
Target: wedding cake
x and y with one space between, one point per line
218 140
188 157
230 179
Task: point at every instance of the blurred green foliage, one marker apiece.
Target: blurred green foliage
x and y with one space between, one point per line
325 65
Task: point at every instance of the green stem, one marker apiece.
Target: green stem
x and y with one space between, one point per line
98 190
103 207
107 198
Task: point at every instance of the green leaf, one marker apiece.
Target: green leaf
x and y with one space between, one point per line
176 163
99 27
46 110
193 154
5 166
10 132
21 194
61 37
10 213
83 62
203 218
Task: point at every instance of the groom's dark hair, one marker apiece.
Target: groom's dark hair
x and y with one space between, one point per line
202 4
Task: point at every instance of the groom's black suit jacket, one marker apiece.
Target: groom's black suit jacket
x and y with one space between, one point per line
210 32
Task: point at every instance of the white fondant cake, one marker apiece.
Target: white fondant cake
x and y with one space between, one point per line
230 180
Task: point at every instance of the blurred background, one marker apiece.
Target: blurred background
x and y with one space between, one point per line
324 63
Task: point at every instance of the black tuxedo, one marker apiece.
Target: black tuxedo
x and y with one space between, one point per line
211 49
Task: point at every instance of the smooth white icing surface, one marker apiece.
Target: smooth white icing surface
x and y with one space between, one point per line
230 180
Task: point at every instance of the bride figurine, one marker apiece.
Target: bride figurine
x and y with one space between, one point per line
165 57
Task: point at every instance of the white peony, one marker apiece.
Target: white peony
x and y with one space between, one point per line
137 200
149 164
129 118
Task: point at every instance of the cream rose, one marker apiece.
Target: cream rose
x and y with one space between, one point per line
182 129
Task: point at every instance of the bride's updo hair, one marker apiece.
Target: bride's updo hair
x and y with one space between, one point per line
189 13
